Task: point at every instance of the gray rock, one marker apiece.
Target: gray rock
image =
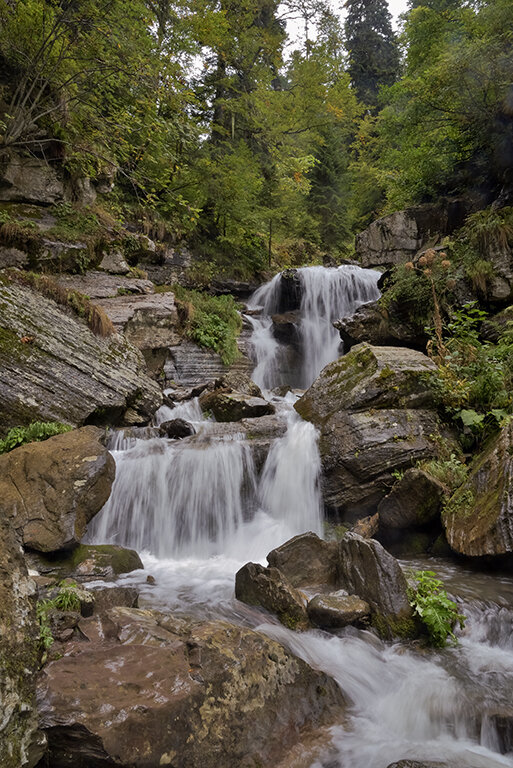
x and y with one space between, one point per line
423 764
111 597
334 611
54 255
269 588
13 257
64 372
29 180
415 500
99 285
150 689
396 238
366 569
494 327
306 560
189 365
114 263
286 328
233 406
52 489
478 519
370 409
86 562
380 326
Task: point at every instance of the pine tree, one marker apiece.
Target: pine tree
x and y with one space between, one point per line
372 47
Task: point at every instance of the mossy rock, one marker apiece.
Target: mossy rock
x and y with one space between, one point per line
90 561
478 518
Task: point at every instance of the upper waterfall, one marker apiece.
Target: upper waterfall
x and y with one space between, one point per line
323 296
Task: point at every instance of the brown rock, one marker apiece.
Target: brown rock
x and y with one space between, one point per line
367 527
334 611
306 560
149 690
52 489
269 588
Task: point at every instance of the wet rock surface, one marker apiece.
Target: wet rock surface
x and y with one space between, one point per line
87 562
64 372
52 489
334 611
478 518
366 569
149 689
375 412
379 326
268 587
234 406
306 560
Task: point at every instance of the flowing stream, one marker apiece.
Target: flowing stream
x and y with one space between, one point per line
199 508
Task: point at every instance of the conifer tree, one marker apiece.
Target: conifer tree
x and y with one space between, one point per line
372 47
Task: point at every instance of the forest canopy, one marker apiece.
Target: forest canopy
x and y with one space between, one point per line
223 133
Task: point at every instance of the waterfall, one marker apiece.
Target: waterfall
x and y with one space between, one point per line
195 497
327 294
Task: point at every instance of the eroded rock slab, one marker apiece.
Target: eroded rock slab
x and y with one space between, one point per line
53 368
149 690
334 611
52 489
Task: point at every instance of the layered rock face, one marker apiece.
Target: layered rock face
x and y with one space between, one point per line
478 519
21 744
52 367
148 689
374 410
51 490
396 238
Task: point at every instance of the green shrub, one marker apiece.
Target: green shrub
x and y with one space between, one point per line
211 321
451 472
35 432
66 599
438 613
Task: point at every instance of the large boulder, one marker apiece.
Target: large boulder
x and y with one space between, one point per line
414 501
268 587
396 238
380 326
53 367
366 569
306 560
233 406
375 412
52 489
29 180
478 518
20 742
149 689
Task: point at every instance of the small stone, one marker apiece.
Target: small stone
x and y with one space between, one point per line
334 611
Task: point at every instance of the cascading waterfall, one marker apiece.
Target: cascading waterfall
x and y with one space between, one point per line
327 294
197 510
193 497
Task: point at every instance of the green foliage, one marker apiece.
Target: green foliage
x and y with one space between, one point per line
73 223
451 472
438 613
35 432
66 599
213 322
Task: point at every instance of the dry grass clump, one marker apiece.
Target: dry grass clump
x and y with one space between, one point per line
95 317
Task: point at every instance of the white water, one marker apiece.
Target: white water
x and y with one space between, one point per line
197 510
327 294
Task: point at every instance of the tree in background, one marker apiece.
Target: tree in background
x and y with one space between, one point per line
372 47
